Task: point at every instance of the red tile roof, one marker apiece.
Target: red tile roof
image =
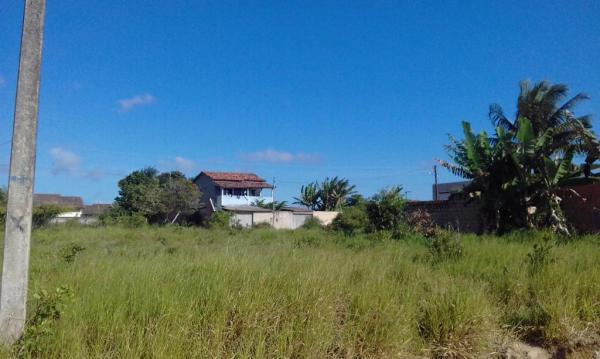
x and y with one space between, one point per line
236 180
233 176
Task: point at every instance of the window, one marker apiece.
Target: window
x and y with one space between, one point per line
255 192
239 192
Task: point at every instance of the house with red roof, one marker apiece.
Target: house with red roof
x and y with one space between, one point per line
223 189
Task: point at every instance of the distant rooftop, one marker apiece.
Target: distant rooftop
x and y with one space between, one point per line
45 199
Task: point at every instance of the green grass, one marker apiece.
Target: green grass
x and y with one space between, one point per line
185 292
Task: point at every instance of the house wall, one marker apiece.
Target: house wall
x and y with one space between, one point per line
207 187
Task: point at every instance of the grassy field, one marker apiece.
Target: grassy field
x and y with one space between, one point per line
184 292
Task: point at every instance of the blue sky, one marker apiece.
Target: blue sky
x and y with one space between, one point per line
297 90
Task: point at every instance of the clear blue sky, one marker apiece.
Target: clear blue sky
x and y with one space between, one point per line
299 90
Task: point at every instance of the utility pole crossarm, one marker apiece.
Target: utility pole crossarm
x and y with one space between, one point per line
13 291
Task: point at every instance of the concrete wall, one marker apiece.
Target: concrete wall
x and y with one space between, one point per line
243 219
326 217
460 215
283 219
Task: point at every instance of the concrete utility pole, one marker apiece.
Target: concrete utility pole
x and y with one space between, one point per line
435 195
13 292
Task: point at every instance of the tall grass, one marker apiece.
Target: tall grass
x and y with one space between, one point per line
185 292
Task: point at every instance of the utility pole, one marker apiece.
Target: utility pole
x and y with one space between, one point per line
435 196
13 291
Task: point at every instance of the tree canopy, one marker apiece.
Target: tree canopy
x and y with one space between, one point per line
159 197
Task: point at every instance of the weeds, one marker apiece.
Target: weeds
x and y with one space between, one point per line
444 246
48 308
303 293
68 254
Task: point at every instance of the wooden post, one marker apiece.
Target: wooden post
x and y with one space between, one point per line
13 291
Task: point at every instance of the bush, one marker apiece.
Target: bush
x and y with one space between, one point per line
445 245
540 257
351 220
420 222
385 210
48 308
42 215
311 223
262 225
220 219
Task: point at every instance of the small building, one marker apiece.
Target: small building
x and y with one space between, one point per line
231 189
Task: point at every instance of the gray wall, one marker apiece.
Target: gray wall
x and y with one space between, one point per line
207 187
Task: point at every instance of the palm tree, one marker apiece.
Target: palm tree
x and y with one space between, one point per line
334 193
329 195
309 196
541 104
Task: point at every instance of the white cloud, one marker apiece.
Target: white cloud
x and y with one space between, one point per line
274 156
69 163
179 163
64 161
128 104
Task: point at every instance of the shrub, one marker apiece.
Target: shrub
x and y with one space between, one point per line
48 307
540 257
311 223
352 220
445 245
220 219
420 222
262 225
386 209
42 215
69 253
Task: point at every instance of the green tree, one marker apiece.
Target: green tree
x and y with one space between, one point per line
386 209
517 172
159 197
178 196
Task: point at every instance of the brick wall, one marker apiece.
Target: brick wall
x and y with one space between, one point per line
581 206
459 214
